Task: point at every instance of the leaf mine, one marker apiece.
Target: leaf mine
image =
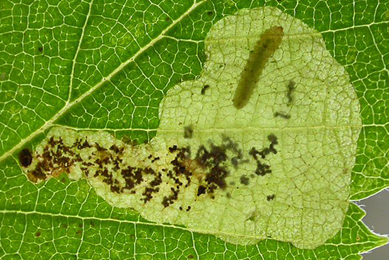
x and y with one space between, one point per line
242 175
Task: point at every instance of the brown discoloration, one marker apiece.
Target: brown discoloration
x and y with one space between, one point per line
25 157
263 168
204 89
188 131
266 46
244 180
36 175
201 190
127 140
289 94
116 149
206 171
270 197
282 115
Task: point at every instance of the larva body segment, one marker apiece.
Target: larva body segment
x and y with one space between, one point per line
266 46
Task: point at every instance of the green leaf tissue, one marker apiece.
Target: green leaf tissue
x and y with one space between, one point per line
191 130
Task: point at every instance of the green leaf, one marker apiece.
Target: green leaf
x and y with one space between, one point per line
108 66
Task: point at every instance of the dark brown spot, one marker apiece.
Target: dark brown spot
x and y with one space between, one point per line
289 94
263 168
173 148
210 13
204 89
153 188
272 138
188 131
126 139
282 115
38 234
116 149
40 49
214 160
155 159
244 180
270 197
37 174
25 157
52 142
80 146
99 148
201 190
168 200
165 202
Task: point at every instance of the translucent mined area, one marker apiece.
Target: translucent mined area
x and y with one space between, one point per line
304 97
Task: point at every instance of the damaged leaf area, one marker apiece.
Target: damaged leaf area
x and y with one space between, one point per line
275 166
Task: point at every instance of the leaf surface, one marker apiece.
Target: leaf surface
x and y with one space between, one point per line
107 66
